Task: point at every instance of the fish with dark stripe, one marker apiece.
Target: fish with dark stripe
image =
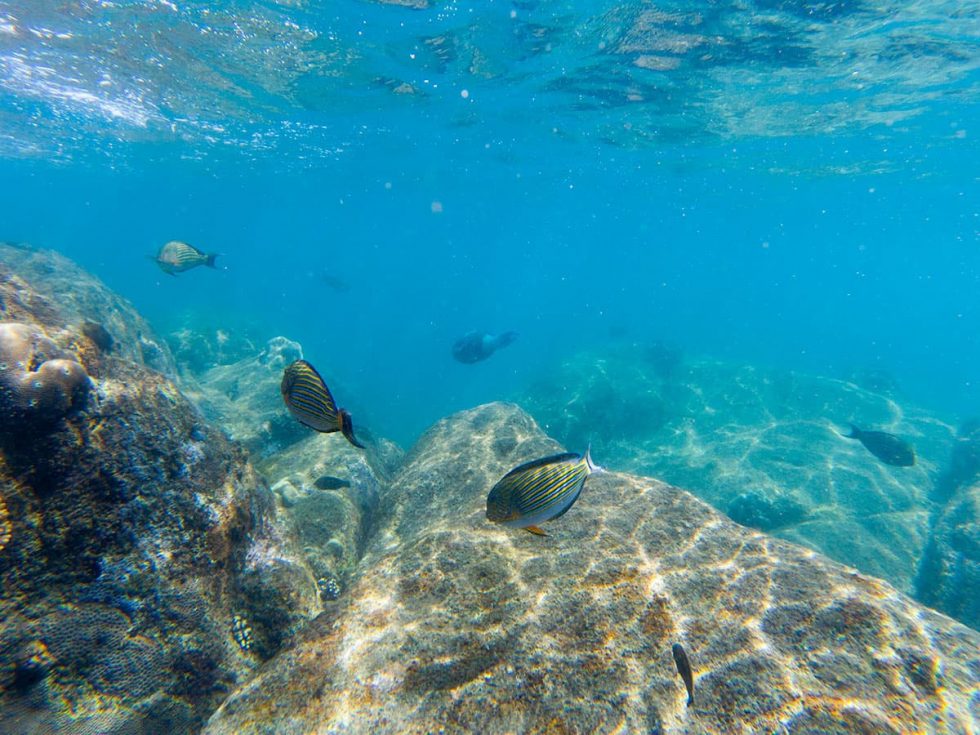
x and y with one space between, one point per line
539 491
176 257
309 401
684 669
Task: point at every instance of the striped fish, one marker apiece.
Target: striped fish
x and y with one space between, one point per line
539 491
309 401
176 257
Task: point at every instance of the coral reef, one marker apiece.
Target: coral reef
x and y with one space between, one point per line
723 430
38 383
44 287
131 532
454 624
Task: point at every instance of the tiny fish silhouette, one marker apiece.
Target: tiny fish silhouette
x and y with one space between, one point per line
329 482
684 669
886 447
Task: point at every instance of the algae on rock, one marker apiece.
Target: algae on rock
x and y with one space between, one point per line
459 625
132 532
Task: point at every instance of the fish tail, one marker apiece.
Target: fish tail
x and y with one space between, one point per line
593 467
347 428
211 259
855 432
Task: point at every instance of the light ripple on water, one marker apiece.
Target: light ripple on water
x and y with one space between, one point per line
258 79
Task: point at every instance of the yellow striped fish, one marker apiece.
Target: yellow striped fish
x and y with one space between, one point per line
309 401
539 491
176 257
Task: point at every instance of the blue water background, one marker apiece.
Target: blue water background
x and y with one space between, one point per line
825 252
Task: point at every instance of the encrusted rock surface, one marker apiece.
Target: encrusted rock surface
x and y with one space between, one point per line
454 624
44 285
331 491
244 398
949 576
763 445
131 532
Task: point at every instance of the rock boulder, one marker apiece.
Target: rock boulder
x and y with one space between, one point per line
454 624
145 568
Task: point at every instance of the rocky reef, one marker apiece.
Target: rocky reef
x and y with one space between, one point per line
145 567
94 320
949 576
764 446
244 398
454 624
332 492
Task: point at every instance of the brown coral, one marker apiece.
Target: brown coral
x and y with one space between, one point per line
38 382
5 529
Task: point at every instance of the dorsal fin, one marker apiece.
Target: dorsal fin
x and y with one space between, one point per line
553 459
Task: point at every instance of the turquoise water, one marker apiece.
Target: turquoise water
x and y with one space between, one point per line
787 183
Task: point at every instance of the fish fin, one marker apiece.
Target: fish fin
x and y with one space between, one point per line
535 530
347 428
690 699
593 467
211 258
855 432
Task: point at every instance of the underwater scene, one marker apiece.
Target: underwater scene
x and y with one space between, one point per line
497 367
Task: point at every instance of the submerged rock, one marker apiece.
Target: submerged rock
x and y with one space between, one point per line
244 398
131 532
455 624
332 520
723 430
949 577
49 288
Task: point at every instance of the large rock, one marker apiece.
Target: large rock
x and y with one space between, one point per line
949 576
44 284
331 491
244 398
145 569
454 624
764 446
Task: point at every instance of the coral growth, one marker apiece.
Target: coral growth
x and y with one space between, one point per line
39 384
129 531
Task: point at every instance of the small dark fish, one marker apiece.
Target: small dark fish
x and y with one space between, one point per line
99 335
329 482
477 346
176 257
335 283
539 491
684 669
886 447
309 401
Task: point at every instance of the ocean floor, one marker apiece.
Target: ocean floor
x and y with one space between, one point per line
765 447
177 556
